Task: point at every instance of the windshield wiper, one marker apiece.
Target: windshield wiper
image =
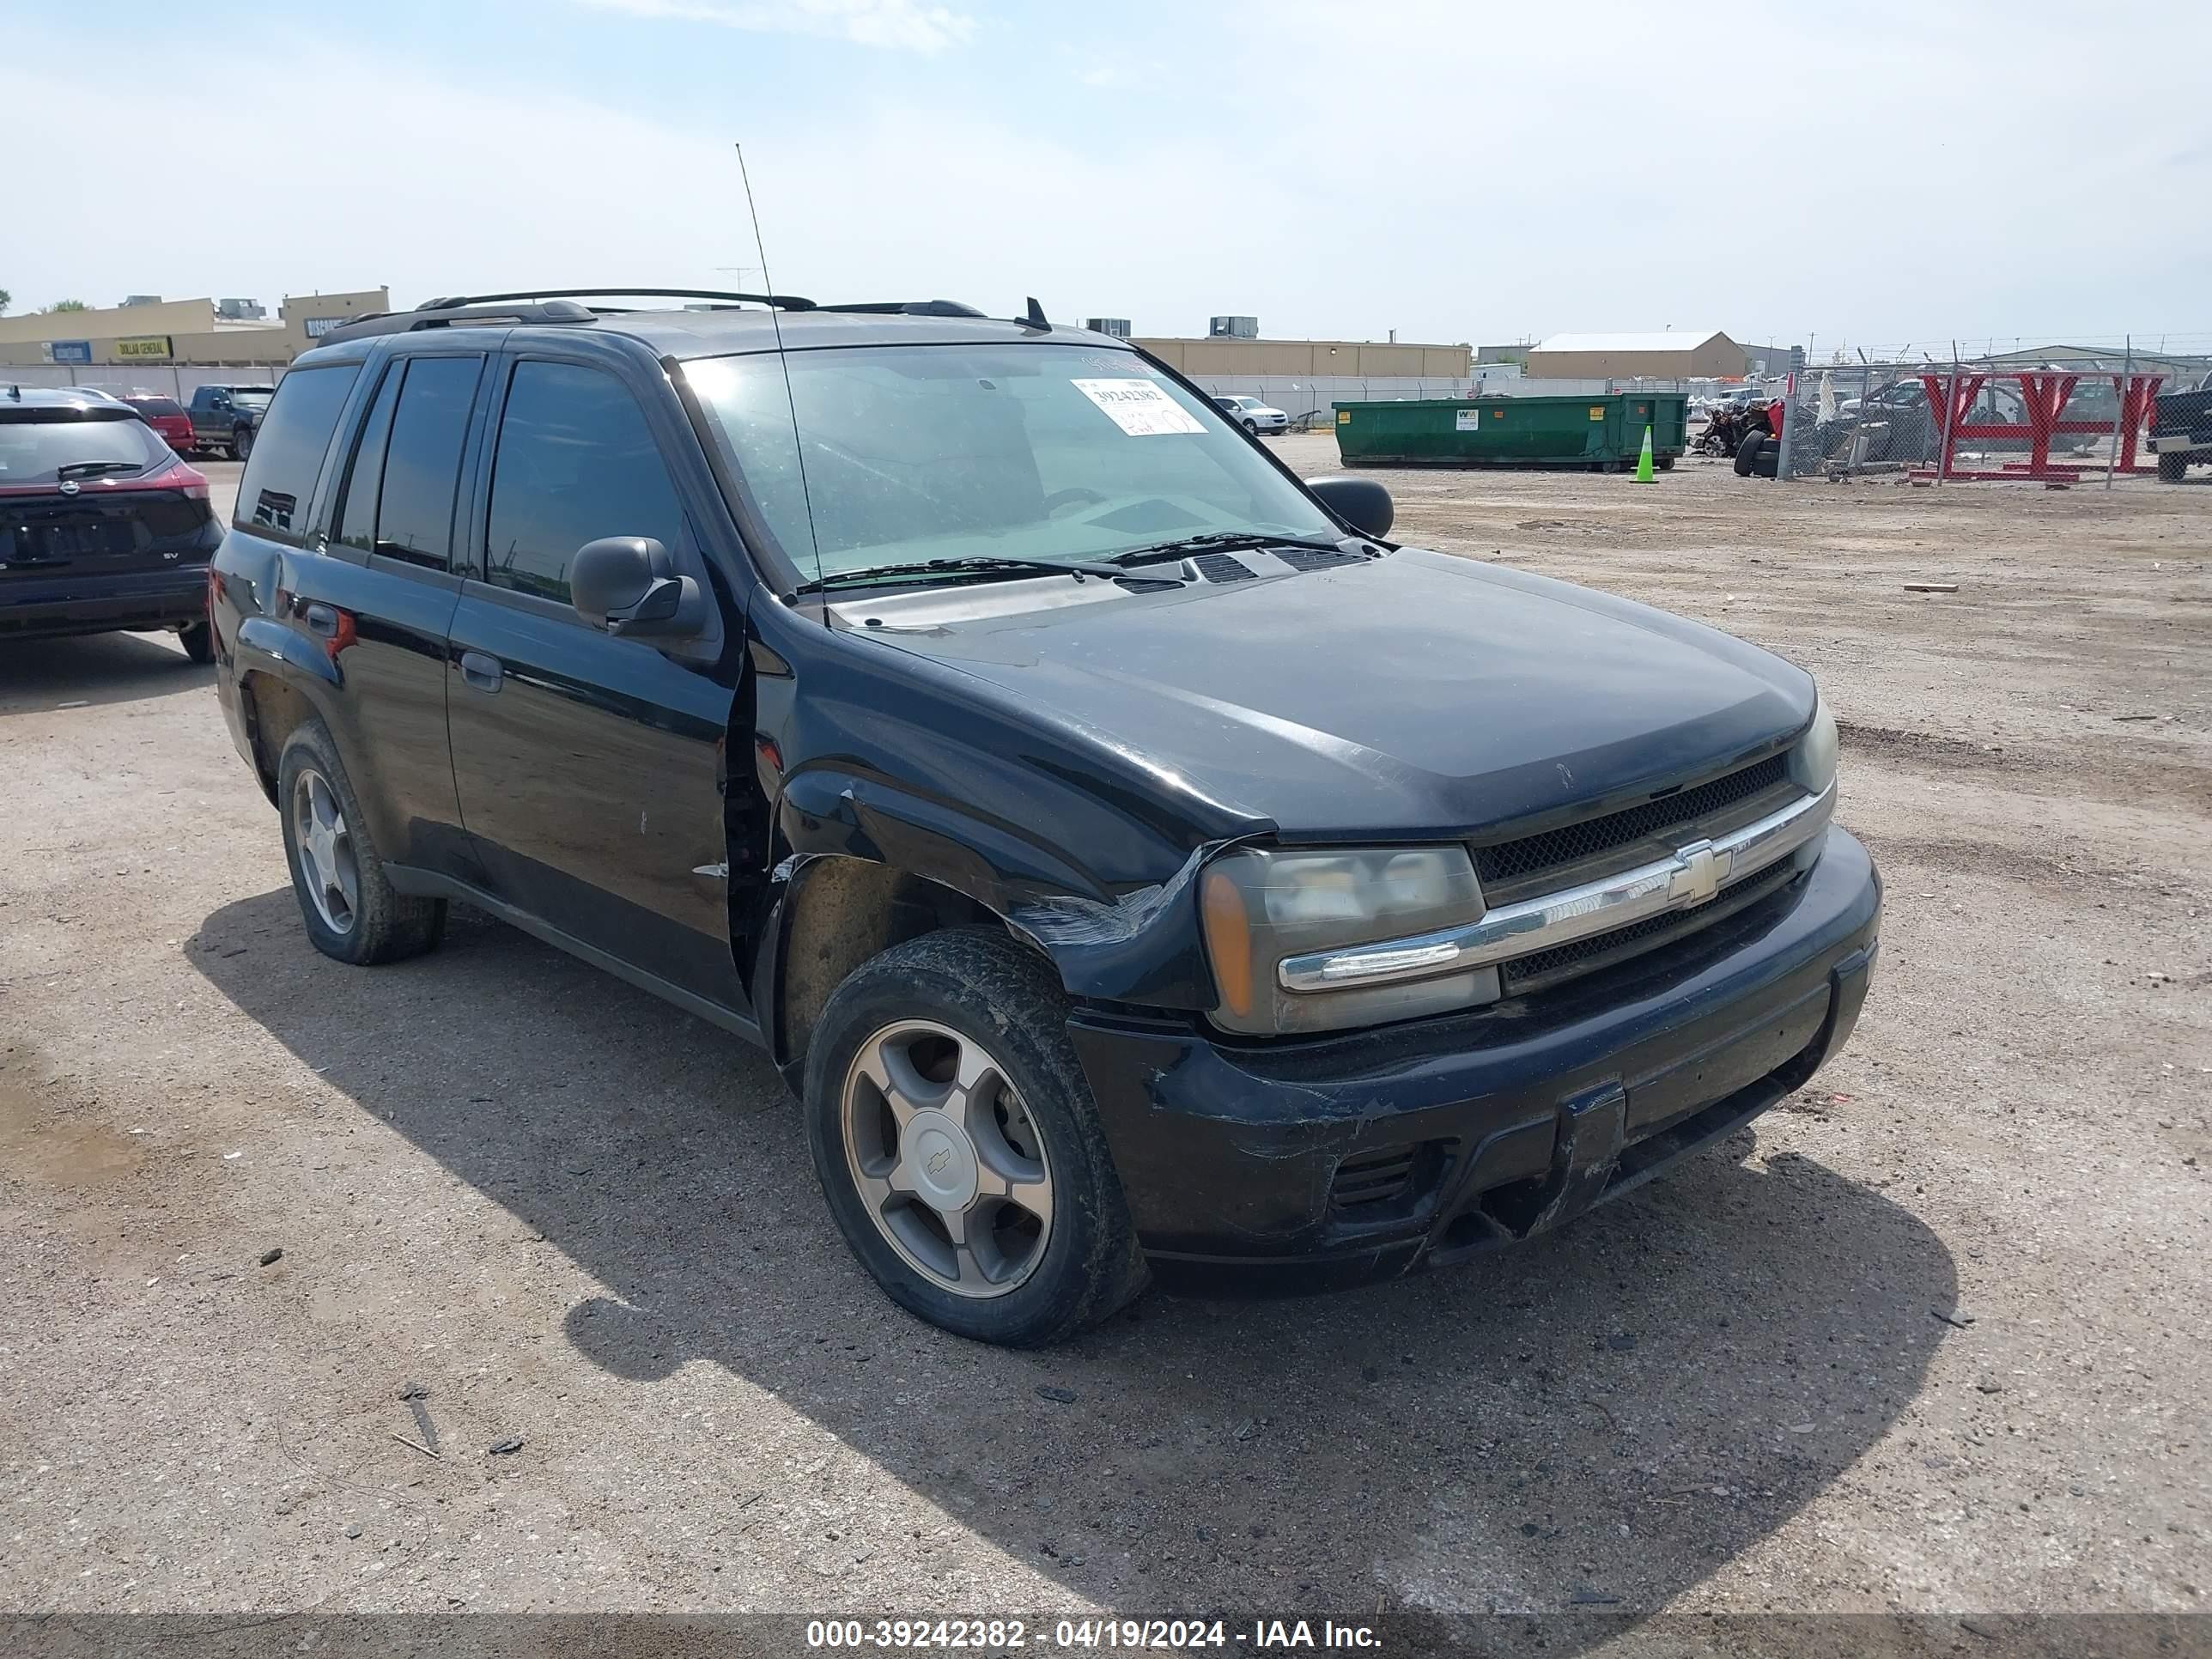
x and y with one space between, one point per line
1223 538
984 564
90 469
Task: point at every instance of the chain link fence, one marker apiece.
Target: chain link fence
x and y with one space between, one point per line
2053 415
176 381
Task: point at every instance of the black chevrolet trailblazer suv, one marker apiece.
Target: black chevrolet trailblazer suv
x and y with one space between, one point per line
1137 864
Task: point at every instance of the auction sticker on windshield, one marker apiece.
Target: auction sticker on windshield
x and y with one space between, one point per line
1140 408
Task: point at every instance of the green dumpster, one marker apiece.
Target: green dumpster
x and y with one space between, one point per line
1604 432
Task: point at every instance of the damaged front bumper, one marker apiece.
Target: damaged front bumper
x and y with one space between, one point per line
1316 1164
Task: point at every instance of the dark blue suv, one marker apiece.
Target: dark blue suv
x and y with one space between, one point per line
1135 862
103 528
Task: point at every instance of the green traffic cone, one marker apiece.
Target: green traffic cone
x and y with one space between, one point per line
1644 461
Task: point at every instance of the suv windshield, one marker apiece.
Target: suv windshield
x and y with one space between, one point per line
1039 451
35 445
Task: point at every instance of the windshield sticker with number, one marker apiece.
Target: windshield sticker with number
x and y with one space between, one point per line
1140 408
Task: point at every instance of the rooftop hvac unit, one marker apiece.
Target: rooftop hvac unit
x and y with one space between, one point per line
241 310
142 299
1233 328
1116 326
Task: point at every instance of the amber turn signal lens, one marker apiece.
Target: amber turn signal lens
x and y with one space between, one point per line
1227 941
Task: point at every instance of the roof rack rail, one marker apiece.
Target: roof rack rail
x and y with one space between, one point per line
906 308
781 301
455 316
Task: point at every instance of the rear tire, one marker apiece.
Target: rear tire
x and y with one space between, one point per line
969 1004
1252 427
2172 469
1747 453
352 912
199 641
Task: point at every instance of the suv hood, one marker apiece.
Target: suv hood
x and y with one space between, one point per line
1412 695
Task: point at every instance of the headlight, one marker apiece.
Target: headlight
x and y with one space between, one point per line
1813 762
1260 905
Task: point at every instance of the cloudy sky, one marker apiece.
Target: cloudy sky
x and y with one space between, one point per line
1859 171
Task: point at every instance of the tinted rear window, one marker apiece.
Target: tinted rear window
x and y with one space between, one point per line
288 454
156 405
422 460
34 451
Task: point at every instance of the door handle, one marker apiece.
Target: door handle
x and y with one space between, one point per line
322 621
482 672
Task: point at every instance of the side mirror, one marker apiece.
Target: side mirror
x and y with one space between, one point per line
1360 502
628 584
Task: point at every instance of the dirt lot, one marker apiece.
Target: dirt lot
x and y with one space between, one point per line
1932 1339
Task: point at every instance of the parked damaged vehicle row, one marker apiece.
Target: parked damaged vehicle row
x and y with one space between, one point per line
1136 863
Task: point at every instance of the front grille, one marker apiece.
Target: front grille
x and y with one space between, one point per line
1561 962
1509 864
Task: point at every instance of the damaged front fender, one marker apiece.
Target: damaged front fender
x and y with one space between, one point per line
1140 947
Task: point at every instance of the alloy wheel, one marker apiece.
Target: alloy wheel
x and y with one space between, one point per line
328 867
947 1160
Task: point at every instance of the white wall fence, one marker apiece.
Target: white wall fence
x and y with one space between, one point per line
175 380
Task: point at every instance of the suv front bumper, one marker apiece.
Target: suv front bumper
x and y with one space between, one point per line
1275 1166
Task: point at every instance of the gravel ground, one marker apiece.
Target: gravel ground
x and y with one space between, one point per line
1932 1338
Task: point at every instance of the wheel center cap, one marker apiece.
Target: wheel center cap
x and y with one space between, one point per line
942 1160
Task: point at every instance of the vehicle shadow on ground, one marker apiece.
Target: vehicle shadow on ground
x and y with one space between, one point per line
95 668
1597 1422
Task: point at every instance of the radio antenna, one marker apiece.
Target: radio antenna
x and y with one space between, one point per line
790 399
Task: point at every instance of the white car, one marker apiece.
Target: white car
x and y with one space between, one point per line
1255 417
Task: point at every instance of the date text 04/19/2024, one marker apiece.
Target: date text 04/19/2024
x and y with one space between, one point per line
1010 1635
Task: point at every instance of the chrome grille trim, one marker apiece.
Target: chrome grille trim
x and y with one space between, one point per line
1693 875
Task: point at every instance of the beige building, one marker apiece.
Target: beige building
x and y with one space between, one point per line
1676 354
180 332
1311 359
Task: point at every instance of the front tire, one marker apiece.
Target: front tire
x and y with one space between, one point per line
241 443
958 1146
1252 427
352 912
2172 469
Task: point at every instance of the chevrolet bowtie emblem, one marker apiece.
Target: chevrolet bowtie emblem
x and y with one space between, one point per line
1697 875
